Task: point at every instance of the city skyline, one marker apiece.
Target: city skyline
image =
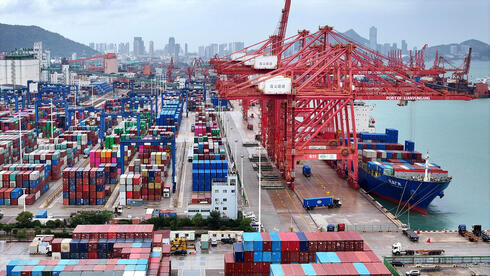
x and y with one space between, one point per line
390 17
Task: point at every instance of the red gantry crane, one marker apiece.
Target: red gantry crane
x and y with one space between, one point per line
307 97
110 60
170 69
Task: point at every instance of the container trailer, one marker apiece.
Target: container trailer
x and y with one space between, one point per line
465 233
410 233
327 201
396 249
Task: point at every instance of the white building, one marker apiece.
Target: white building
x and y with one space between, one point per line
224 197
19 71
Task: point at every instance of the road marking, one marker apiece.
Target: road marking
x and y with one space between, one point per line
296 207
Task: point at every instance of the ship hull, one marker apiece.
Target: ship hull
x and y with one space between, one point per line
416 194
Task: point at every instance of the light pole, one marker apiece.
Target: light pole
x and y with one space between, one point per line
241 171
235 157
92 97
20 139
260 190
52 119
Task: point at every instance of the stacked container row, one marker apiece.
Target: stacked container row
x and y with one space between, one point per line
84 186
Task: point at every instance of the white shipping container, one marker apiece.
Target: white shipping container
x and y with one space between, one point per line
128 273
277 85
65 245
56 256
33 247
265 62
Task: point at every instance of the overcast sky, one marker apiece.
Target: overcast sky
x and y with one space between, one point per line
200 22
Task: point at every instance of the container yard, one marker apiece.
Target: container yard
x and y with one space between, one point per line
235 160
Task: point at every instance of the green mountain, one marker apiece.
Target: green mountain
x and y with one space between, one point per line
19 36
481 50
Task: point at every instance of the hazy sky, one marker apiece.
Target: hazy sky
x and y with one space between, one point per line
205 21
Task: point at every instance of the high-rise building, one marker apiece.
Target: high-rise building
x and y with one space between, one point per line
171 47
373 38
386 48
394 46
404 47
177 50
138 46
201 52
150 48
238 46
123 48
222 49
186 51
91 45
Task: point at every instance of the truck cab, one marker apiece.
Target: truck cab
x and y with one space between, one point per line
410 233
396 248
331 228
166 192
306 171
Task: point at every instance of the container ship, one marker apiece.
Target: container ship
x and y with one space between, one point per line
393 171
398 173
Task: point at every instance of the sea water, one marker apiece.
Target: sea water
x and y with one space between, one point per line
456 134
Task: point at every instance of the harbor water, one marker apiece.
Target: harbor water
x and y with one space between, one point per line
456 135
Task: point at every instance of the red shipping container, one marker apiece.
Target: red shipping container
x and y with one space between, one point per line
248 256
266 241
285 257
294 256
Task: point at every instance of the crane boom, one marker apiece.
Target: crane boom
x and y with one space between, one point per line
109 55
284 20
278 38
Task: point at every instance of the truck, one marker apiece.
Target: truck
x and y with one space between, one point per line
327 201
250 126
396 249
166 190
306 171
477 231
467 234
118 210
410 233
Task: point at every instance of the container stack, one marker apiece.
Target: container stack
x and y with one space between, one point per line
84 138
390 136
84 186
54 160
129 188
350 269
146 186
155 154
259 250
9 142
10 196
106 156
99 250
163 131
171 114
110 173
72 149
32 179
195 101
209 156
